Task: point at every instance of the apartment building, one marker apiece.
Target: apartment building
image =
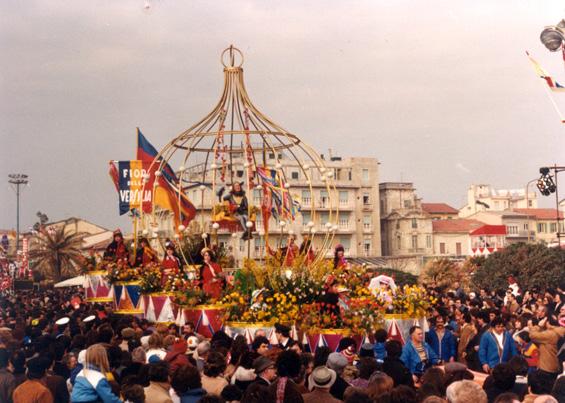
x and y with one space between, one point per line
406 229
355 199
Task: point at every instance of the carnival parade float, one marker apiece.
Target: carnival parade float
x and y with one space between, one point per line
177 271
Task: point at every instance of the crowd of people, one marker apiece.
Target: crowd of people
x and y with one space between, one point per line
480 347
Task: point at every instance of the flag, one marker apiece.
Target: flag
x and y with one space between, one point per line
114 175
168 194
280 202
133 194
553 85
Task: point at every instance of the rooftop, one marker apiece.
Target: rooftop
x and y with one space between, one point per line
456 226
540 213
490 230
439 208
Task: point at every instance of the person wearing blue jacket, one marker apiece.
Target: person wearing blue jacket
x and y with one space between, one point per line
417 355
496 346
442 340
91 384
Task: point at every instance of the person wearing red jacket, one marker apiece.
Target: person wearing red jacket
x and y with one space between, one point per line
171 264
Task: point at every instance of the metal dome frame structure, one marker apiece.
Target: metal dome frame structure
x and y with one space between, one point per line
234 131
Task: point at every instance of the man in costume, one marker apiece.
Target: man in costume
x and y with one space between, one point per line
238 206
117 250
211 275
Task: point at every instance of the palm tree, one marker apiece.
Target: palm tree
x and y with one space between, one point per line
57 253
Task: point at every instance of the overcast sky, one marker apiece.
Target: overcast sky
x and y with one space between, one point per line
440 92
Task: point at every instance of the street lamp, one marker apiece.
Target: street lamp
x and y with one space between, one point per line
17 180
553 36
547 186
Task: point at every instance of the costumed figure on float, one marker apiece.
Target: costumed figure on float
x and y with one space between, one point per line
211 275
117 250
238 207
170 265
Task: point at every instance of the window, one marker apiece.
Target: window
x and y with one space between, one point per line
530 203
442 248
259 222
259 244
526 226
242 245
346 242
512 229
349 175
397 224
324 218
496 205
271 156
343 197
306 217
458 248
553 227
414 223
365 175
414 241
367 222
338 174
343 222
367 247
407 203
542 227
366 200
398 242
294 175
306 197
324 199
428 241
239 173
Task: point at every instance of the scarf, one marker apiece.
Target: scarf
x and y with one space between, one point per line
281 384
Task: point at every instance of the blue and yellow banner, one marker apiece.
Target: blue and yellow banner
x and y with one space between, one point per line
132 193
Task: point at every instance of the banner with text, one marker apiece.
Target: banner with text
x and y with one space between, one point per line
132 193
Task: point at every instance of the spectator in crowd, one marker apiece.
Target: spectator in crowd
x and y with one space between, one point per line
417 355
441 340
260 345
320 381
284 389
465 392
547 334
265 370
33 390
338 362
187 385
497 346
466 334
7 379
212 378
158 389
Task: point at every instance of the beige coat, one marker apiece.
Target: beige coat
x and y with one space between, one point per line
157 392
468 331
547 343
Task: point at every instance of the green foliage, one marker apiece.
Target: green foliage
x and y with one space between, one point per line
441 272
533 265
56 253
401 278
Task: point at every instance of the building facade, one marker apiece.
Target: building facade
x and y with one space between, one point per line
452 237
356 195
440 211
544 224
517 224
486 198
406 229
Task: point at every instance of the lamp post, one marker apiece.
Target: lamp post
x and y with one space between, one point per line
17 180
528 204
547 186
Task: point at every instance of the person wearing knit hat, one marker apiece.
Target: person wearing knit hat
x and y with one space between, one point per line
338 362
319 382
348 347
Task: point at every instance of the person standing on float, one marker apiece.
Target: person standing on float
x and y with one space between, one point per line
238 206
145 254
171 264
117 249
211 275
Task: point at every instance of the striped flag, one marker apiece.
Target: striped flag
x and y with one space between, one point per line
553 85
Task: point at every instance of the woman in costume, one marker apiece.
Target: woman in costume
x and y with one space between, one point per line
339 257
330 298
117 250
171 264
307 250
145 254
211 275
